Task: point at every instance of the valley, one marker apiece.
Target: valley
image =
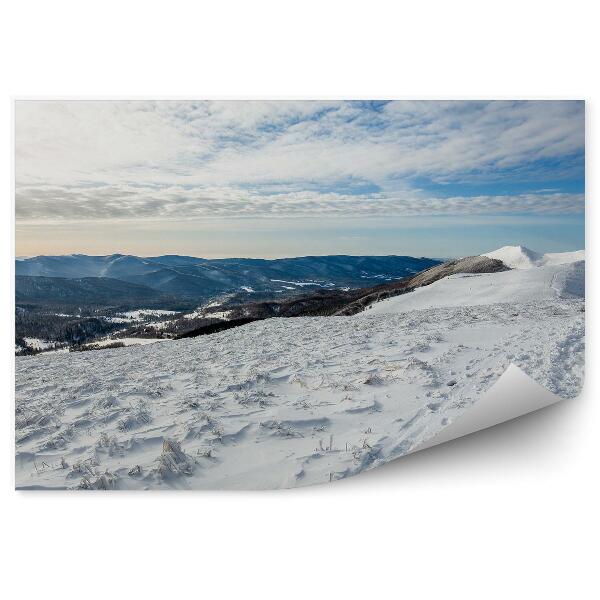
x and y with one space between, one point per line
81 299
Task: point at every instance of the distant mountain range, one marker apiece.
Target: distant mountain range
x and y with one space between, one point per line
199 278
349 302
87 291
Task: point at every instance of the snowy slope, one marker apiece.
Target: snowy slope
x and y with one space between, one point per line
519 257
290 402
278 403
560 258
518 285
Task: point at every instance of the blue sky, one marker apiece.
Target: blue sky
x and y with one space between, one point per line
283 178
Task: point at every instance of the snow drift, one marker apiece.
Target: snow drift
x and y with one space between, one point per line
519 257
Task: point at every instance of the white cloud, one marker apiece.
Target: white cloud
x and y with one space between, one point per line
116 159
175 202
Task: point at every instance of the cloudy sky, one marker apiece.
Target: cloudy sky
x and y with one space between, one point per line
285 178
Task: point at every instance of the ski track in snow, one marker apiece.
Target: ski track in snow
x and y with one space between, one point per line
281 402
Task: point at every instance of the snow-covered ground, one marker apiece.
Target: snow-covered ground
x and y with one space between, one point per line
220 314
147 312
158 325
120 319
289 402
126 341
38 344
201 313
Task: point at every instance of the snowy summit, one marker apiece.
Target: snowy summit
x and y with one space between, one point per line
520 257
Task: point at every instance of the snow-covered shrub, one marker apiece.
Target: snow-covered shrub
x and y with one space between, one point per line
173 460
280 429
106 481
59 440
110 443
85 467
106 402
259 397
372 379
136 415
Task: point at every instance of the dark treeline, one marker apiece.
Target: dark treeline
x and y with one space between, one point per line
217 327
88 347
62 329
84 325
172 328
98 292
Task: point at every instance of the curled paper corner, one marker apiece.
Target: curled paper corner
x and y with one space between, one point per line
513 395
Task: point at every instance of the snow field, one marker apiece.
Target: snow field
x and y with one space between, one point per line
278 403
298 401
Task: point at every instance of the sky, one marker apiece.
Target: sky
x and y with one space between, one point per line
290 178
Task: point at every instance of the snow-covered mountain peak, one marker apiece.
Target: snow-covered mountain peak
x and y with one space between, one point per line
516 257
520 257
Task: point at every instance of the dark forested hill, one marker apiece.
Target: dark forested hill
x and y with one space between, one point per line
88 291
202 278
349 302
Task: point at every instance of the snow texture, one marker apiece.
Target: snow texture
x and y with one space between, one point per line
298 401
